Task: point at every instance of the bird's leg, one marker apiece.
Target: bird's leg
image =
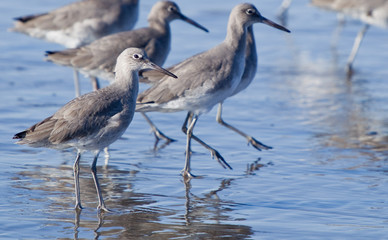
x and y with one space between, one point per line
76 181
186 170
255 143
101 204
76 84
213 152
356 46
158 134
95 83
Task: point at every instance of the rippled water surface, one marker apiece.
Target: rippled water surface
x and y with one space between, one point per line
326 177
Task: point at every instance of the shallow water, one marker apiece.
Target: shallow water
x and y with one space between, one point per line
326 177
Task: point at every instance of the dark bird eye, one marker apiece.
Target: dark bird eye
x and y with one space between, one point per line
171 9
136 56
250 11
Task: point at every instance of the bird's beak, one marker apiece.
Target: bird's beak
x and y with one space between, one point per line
155 67
272 24
192 22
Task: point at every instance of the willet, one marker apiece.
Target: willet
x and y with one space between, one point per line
371 12
205 79
95 120
80 23
247 78
97 60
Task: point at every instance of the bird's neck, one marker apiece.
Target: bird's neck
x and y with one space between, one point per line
127 81
250 51
160 25
236 36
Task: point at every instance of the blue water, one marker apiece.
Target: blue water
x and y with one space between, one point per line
326 177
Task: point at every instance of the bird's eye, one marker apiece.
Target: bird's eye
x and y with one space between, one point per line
171 9
250 11
136 56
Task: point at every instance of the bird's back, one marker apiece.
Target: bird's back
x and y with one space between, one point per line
81 122
79 23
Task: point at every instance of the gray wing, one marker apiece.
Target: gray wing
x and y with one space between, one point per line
66 16
78 118
84 116
102 53
200 70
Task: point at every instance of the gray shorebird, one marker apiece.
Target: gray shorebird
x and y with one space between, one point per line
205 79
95 120
98 59
80 23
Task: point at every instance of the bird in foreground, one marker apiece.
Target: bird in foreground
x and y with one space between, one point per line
80 23
97 60
371 12
95 120
205 79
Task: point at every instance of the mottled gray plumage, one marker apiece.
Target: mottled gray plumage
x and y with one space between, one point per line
205 79
95 120
80 23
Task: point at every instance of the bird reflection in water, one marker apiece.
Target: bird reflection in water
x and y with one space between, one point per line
135 215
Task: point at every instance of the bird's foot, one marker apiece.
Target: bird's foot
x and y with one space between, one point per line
187 175
159 135
103 208
78 206
257 144
220 159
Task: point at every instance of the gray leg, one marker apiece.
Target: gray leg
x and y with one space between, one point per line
186 170
95 83
76 84
256 144
101 204
76 181
355 48
158 134
213 152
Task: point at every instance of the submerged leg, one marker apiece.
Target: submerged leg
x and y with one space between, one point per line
101 204
213 152
76 84
356 46
158 134
76 181
256 144
95 83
